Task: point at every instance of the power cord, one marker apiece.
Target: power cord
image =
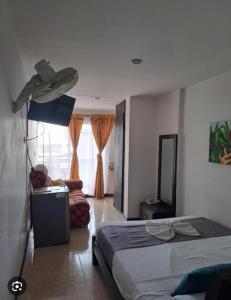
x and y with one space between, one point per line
36 137
24 256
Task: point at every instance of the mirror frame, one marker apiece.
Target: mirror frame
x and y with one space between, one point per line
174 174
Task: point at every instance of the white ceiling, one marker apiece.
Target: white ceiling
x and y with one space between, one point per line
180 41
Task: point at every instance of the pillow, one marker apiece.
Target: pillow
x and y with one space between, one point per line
198 280
58 182
42 168
48 181
38 178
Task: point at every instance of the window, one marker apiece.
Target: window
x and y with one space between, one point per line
87 154
54 150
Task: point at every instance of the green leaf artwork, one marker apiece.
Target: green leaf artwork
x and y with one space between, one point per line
220 142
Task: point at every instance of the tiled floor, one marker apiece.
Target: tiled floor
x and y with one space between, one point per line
66 272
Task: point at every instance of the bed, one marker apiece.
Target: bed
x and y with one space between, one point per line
137 270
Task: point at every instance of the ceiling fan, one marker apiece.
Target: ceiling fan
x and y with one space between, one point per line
46 85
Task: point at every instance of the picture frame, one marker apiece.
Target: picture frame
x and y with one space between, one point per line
220 142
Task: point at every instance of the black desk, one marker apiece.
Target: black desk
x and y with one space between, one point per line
155 211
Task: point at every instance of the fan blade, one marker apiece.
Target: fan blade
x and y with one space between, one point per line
48 91
45 71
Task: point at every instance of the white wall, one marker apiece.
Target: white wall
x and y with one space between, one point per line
140 172
167 120
168 113
13 199
89 111
204 187
146 119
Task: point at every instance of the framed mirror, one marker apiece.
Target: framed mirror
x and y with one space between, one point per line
167 167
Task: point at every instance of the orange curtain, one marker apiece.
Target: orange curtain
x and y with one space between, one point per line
101 126
74 131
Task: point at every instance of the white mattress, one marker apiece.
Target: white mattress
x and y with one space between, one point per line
152 273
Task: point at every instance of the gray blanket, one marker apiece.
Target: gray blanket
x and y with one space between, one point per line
112 238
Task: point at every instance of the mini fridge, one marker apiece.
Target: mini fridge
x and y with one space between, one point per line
50 216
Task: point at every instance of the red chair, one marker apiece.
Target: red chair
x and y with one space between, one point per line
79 207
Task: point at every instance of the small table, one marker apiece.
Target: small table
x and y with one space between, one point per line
155 211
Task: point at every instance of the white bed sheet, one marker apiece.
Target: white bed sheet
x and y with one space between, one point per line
152 273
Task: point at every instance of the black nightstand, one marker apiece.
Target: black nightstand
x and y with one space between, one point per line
155 211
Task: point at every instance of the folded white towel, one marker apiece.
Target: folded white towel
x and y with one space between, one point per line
166 230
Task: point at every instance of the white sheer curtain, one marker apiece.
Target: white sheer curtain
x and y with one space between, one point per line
87 155
55 151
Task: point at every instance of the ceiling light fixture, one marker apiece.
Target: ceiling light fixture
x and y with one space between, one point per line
137 61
